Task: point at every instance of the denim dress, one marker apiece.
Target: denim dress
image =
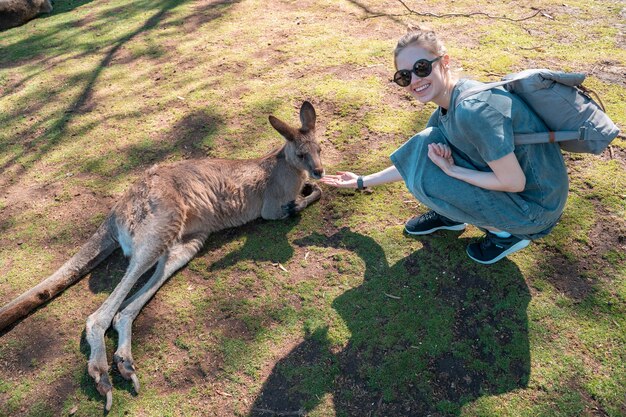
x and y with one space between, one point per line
479 130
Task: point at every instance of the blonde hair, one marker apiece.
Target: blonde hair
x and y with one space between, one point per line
422 37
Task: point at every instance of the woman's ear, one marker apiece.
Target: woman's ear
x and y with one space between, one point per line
445 61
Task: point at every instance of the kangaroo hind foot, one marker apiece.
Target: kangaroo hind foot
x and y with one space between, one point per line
178 256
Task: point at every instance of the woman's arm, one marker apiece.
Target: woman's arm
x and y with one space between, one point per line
506 175
348 179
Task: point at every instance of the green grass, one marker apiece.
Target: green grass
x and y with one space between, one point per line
365 320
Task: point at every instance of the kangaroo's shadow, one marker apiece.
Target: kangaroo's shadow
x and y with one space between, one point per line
264 241
428 334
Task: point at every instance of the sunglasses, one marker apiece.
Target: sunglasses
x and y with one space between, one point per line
422 68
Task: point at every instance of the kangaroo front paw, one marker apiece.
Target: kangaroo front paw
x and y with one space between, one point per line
127 369
103 384
289 209
311 191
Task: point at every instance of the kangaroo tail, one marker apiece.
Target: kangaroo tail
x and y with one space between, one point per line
97 248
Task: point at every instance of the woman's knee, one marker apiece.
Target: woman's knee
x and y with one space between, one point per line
431 135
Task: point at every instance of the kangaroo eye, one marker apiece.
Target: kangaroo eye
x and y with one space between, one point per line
300 155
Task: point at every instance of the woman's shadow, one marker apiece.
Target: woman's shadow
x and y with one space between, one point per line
429 334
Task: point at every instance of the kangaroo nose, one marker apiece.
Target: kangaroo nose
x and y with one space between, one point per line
318 172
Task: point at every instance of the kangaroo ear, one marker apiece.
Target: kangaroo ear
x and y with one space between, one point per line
307 116
283 128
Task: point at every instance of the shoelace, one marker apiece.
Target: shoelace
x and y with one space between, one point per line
488 242
430 215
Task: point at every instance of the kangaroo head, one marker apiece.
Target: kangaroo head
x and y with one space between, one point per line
302 150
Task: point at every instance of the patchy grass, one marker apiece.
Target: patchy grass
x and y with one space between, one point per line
362 320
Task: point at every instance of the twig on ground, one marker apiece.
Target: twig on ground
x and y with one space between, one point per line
369 66
279 265
410 11
395 297
532 48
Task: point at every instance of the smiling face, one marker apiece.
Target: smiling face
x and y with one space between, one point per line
434 87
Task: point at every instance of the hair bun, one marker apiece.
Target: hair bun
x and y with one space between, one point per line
410 27
414 27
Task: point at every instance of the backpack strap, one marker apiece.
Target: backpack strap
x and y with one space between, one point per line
488 86
523 138
548 137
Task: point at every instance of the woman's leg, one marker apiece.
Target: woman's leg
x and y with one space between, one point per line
460 201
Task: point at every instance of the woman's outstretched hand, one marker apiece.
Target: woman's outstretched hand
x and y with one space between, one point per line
343 179
441 155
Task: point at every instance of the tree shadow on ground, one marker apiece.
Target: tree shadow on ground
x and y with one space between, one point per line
57 134
369 13
65 6
428 335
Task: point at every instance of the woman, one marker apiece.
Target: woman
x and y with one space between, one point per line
464 165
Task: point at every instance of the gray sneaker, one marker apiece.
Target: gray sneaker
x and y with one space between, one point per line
430 222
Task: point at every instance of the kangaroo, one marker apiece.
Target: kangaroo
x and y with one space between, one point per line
17 12
164 219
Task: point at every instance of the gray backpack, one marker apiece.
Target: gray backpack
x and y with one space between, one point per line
577 122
